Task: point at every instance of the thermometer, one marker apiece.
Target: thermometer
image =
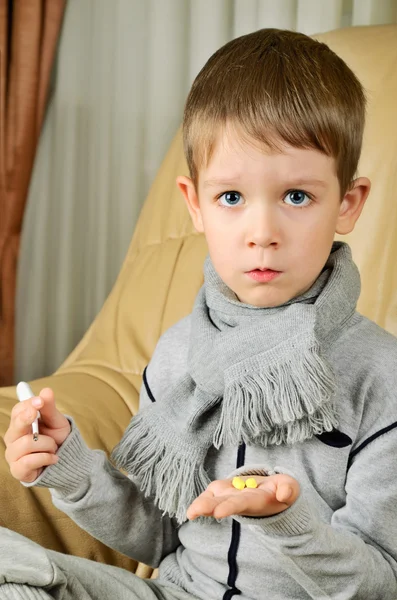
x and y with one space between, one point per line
25 393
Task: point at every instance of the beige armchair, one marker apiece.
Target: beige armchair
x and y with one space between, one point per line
99 382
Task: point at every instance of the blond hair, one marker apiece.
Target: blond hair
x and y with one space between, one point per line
274 85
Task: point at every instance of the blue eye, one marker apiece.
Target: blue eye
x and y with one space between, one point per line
297 198
230 198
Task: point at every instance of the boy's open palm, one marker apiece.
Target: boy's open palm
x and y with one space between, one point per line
27 457
274 494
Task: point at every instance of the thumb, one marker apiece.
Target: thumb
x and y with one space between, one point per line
284 493
288 489
50 415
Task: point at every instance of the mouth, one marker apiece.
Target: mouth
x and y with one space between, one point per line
263 275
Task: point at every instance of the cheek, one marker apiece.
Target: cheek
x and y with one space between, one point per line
312 248
218 233
223 249
220 222
318 229
219 245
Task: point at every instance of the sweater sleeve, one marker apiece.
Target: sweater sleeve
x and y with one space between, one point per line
103 501
106 503
353 556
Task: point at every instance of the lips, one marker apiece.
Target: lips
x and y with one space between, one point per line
263 275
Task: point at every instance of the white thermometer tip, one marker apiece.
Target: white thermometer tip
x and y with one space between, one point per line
24 391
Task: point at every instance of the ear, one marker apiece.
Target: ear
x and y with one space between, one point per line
188 190
352 205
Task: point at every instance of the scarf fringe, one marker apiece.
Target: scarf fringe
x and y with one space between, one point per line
286 402
173 475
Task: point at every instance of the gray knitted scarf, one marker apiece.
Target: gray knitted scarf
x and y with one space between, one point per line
254 375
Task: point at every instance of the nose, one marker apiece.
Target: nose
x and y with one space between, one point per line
263 228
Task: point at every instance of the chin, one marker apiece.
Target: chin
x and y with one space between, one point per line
268 304
271 302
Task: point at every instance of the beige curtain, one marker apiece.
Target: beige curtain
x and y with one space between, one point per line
124 70
28 35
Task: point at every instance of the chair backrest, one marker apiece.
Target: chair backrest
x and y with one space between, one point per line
162 271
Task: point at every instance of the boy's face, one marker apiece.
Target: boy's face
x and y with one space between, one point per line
269 218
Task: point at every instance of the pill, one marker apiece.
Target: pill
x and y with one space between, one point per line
238 483
251 483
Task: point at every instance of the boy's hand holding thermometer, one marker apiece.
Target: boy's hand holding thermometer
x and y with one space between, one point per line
36 431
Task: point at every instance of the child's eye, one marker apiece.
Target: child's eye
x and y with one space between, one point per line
297 198
230 199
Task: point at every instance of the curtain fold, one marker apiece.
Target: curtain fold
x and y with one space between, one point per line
123 72
28 34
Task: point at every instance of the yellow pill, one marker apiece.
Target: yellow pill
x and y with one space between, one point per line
251 483
238 483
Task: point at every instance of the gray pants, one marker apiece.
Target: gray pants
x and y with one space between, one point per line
30 572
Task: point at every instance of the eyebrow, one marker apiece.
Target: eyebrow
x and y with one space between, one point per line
291 184
308 181
214 182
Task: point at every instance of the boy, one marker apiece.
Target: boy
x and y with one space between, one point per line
274 377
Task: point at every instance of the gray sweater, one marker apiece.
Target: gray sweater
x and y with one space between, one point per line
339 539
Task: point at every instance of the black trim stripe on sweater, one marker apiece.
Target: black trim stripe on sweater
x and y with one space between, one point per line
148 390
235 541
371 439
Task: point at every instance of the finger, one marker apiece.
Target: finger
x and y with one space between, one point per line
287 493
26 445
250 503
50 415
285 488
283 492
29 467
201 506
18 408
22 417
238 505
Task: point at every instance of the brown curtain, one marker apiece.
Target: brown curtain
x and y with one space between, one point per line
29 31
